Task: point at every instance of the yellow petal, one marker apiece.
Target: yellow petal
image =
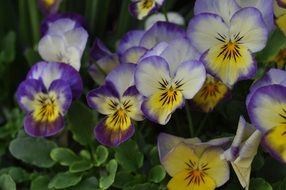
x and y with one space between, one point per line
275 139
214 166
179 159
181 182
281 23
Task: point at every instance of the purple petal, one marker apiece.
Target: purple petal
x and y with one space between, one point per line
79 21
122 77
110 137
130 39
132 55
134 10
161 32
131 91
99 50
42 129
281 3
26 92
64 94
156 50
273 76
50 71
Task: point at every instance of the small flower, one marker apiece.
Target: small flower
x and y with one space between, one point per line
64 42
120 101
142 8
243 150
167 80
191 164
46 95
49 6
212 92
227 48
266 105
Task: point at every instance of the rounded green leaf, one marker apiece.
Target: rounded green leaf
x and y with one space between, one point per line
85 154
100 155
40 182
157 174
106 180
259 184
35 151
64 156
64 180
7 183
86 184
18 174
129 156
80 166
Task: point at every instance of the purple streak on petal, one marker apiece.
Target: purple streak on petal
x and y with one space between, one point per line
49 9
131 91
42 129
130 39
138 51
80 22
107 90
99 50
27 89
273 76
64 93
275 91
110 137
161 32
50 71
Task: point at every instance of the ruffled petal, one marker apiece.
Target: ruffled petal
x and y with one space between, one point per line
249 25
191 76
267 107
132 55
161 32
173 17
130 39
142 8
202 38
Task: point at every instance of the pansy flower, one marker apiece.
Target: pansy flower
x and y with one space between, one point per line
64 42
142 8
193 165
212 92
46 95
167 80
120 101
49 6
243 150
173 17
227 47
266 105
102 61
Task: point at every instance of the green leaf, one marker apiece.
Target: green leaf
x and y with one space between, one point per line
86 184
129 156
80 166
7 183
85 154
157 174
35 151
144 186
100 155
106 180
64 156
64 180
81 122
18 174
259 184
41 183
8 47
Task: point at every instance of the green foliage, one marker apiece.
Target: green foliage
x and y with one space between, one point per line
100 155
64 156
157 174
129 156
7 183
35 151
107 178
259 184
64 180
18 174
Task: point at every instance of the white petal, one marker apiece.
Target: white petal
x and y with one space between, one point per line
50 46
61 26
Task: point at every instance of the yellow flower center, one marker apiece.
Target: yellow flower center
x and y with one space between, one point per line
49 2
46 107
196 174
147 4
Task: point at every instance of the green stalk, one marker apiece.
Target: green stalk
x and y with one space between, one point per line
189 118
23 23
202 124
34 19
124 19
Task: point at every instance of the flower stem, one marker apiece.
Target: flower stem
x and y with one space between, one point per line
189 118
165 14
202 124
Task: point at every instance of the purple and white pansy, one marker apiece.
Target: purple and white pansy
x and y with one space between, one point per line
46 95
142 8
